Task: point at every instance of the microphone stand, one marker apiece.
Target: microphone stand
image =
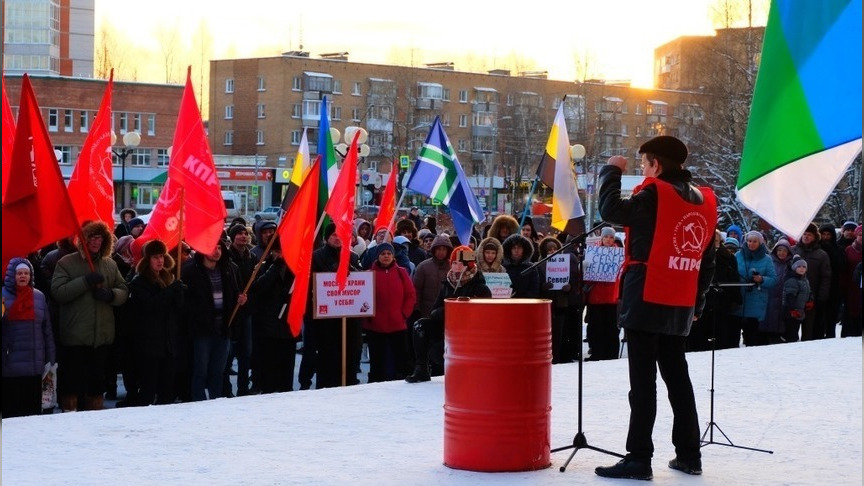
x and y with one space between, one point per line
579 440
709 431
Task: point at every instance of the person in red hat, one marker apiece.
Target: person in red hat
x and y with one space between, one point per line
464 279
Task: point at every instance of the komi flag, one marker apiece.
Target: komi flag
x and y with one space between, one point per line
438 174
566 205
805 120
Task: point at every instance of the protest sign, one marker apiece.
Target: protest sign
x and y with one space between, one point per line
602 263
499 285
558 271
357 299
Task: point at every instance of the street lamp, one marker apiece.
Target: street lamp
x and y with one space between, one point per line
130 141
577 154
362 150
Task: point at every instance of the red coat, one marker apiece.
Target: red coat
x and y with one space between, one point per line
394 299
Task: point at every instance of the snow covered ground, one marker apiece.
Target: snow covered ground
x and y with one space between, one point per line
802 400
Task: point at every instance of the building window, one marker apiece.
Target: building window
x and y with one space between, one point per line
462 145
445 119
337 112
162 158
623 130
261 84
229 138
509 100
296 110
259 137
337 87
295 137
65 154
446 94
319 82
141 157
53 119
637 109
463 121
136 122
311 109
124 122
355 114
430 91
145 195
84 122
67 121
297 83
229 112
261 113
355 89
229 85
151 125
463 96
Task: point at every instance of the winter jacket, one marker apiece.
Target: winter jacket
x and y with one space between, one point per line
495 266
525 286
796 293
567 296
84 320
818 269
394 299
474 288
268 298
639 213
602 293
755 299
27 345
158 327
429 275
850 283
774 315
199 309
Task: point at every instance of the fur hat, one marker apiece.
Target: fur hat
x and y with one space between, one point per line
153 248
666 146
813 229
406 225
329 230
797 261
731 241
236 228
607 231
465 255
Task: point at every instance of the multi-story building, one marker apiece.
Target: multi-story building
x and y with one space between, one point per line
48 37
69 106
497 122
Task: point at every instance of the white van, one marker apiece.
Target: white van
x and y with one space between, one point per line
232 204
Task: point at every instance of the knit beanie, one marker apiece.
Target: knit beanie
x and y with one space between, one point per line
136 222
235 229
797 261
385 246
329 230
849 225
758 236
782 242
607 231
731 241
463 254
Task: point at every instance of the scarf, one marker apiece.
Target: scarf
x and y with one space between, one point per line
457 280
23 309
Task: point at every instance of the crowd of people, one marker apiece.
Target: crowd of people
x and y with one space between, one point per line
92 307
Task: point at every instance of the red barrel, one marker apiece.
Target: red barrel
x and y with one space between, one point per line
497 384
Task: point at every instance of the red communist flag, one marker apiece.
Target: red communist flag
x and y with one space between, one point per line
388 202
91 187
192 185
340 208
297 238
36 209
8 138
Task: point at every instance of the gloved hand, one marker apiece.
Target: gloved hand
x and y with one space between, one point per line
547 285
809 305
103 294
94 278
796 314
565 288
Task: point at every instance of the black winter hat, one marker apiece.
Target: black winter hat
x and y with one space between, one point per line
136 222
666 146
812 228
329 230
236 228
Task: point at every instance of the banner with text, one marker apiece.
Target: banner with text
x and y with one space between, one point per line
499 285
558 271
603 263
357 299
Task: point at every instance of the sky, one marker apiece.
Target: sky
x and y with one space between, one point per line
801 400
614 38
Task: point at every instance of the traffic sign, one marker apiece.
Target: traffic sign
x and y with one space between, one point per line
404 161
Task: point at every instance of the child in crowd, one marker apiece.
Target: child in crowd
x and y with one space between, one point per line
796 296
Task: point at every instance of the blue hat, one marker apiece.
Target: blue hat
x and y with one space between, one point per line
732 242
386 245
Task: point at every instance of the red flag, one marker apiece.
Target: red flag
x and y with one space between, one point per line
297 238
36 209
91 188
192 183
388 202
8 138
340 208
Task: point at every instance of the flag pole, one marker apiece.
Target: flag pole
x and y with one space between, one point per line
528 201
180 232
344 353
256 270
396 211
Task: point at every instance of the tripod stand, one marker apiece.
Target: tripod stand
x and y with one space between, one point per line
579 440
709 430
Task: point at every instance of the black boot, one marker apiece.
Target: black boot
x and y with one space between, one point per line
421 352
421 373
693 467
627 468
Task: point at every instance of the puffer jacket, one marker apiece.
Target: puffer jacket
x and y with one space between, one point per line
818 269
394 299
84 320
429 275
27 345
525 286
755 303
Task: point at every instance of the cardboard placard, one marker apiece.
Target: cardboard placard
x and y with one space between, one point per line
357 299
603 263
499 284
558 271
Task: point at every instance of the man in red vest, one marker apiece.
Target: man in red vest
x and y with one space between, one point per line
669 224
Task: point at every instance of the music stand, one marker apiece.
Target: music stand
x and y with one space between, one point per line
709 430
579 440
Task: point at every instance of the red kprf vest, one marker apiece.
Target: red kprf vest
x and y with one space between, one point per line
683 232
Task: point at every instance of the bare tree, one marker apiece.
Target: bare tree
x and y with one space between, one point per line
110 52
200 54
168 46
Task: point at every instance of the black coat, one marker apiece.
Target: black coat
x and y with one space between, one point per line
156 313
639 213
199 310
270 300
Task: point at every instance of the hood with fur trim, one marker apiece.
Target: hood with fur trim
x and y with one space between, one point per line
502 221
495 267
517 239
542 245
97 228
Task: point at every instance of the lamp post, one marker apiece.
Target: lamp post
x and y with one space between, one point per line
362 151
577 154
130 141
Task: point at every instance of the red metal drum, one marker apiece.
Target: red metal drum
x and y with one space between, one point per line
497 384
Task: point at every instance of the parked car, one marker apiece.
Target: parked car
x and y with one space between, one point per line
269 214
